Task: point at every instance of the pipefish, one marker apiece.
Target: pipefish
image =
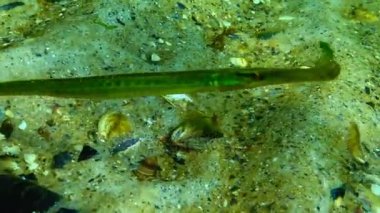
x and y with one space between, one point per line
163 83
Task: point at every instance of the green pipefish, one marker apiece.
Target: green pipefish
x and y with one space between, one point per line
163 83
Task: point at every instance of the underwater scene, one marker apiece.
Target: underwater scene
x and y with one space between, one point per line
130 106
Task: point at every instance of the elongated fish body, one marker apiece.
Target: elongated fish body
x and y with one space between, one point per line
153 84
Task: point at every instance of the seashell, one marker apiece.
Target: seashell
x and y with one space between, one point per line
185 131
195 127
113 125
181 101
124 145
147 169
353 143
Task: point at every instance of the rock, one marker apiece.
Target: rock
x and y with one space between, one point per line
6 128
338 192
61 159
30 160
19 195
155 58
375 188
87 153
238 62
22 125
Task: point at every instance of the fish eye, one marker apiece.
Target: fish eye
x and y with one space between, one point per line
257 76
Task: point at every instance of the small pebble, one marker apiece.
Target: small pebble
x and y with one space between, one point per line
44 132
160 41
181 6
22 125
226 24
12 150
239 62
260 1
377 152
338 192
87 153
61 159
30 160
367 90
375 188
6 128
266 35
155 58
286 18
9 113
179 159
50 122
